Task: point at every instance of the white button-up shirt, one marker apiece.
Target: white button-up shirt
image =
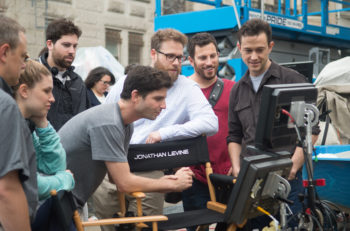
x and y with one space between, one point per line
187 114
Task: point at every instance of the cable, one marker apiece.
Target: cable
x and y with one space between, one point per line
276 223
328 204
284 111
317 222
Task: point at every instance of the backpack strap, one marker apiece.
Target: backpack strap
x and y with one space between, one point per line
216 92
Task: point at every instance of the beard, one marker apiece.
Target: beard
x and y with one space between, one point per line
173 75
202 73
60 61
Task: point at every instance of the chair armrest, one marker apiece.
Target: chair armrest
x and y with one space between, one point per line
216 206
140 195
222 180
124 220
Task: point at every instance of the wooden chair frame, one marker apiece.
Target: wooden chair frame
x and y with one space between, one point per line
113 221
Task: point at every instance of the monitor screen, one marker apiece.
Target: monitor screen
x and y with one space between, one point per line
272 131
305 68
248 192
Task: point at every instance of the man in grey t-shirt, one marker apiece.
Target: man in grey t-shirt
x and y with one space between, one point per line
97 140
18 187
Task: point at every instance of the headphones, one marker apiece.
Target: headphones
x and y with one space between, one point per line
54 70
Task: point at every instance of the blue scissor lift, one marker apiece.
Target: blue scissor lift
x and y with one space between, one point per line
296 38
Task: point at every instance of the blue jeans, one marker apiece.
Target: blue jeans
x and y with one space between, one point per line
296 189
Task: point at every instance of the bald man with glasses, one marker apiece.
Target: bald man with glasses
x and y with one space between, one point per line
188 114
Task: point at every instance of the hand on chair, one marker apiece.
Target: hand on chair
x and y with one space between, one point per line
185 178
182 179
153 137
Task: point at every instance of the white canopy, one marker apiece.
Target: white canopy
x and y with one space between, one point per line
335 73
88 58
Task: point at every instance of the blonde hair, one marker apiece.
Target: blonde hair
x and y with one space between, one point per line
165 35
33 73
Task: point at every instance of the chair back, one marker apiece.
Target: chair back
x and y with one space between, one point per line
63 208
168 154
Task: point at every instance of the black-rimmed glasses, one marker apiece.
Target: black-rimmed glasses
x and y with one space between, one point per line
105 82
172 57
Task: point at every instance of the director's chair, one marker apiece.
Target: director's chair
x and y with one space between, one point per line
242 199
258 184
175 154
65 210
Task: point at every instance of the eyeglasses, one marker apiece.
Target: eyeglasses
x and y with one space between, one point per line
172 57
106 82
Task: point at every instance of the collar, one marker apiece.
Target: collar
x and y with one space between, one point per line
54 70
4 86
271 72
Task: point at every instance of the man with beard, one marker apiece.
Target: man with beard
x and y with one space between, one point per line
204 57
188 114
69 89
97 140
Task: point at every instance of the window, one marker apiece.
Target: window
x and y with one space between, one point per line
113 42
135 47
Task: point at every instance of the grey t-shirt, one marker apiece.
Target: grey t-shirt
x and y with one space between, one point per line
256 80
16 149
91 138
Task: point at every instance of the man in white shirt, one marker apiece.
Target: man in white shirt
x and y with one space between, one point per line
188 114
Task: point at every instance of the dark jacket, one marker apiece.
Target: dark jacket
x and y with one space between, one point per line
70 98
93 99
245 104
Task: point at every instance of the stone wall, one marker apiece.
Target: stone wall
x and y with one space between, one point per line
92 16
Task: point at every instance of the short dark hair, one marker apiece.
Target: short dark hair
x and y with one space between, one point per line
254 27
129 68
9 31
200 39
96 75
60 27
145 79
167 35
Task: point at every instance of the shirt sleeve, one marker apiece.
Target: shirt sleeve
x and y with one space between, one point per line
107 143
12 143
202 119
234 125
50 154
62 180
114 94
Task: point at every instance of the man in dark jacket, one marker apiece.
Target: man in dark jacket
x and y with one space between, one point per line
69 90
255 44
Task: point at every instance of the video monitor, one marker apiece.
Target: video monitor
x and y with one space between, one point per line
248 192
305 68
273 131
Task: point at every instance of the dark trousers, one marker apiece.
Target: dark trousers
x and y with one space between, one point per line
296 189
45 220
196 197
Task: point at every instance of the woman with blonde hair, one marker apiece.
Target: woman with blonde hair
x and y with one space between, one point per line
34 97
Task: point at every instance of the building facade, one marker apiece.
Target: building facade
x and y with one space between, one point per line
124 27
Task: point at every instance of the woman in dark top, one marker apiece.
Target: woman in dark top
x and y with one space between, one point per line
97 83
